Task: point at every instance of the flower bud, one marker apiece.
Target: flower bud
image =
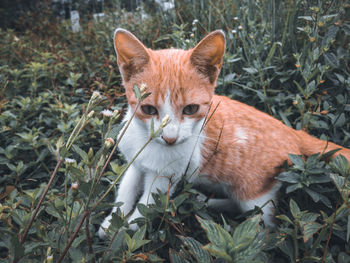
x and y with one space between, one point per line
109 142
74 186
143 87
91 114
95 95
165 121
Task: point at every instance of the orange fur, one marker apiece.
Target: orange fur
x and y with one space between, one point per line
244 147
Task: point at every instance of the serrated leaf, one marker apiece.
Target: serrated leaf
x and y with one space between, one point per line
245 233
218 236
250 253
340 165
310 229
218 252
115 130
177 257
196 249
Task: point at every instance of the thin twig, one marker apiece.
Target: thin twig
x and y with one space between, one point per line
88 238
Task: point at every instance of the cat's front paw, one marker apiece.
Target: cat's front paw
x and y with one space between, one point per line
104 226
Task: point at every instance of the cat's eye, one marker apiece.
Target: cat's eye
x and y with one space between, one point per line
190 109
149 110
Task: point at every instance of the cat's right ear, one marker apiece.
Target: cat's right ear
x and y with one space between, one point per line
132 55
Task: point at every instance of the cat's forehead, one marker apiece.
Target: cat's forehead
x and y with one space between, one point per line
172 75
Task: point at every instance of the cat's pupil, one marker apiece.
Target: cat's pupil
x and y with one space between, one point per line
190 109
149 110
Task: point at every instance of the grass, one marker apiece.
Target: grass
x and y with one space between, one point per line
287 58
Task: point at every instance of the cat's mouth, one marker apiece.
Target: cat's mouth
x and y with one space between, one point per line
168 145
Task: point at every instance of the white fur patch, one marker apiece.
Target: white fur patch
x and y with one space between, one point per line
265 202
240 135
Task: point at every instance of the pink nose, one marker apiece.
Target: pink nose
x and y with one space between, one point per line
169 140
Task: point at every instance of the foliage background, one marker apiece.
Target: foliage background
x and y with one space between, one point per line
287 58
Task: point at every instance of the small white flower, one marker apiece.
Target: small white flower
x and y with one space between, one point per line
195 21
96 95
187 40
240 27
69 160
192 35
107 113
234 31
235 18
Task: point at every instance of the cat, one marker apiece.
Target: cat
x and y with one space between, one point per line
218 141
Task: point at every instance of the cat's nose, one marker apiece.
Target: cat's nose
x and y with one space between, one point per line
169 140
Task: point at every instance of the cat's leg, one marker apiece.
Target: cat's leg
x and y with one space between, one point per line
129 189
151 184
267 203
221 204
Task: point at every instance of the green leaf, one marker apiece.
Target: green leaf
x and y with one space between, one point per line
253 251
115 130
137 92
293 187
271 53
82 154
178 200
251 70
289 177
196 249
130 242
218 252
348 229
16 248
245 233
310 229
139 238
343 258
216 234
285 218
294 208
177 257
340 165
297 160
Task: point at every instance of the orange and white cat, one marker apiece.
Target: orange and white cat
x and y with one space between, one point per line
237 148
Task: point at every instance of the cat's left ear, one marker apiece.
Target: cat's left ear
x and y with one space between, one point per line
132 55
207 56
